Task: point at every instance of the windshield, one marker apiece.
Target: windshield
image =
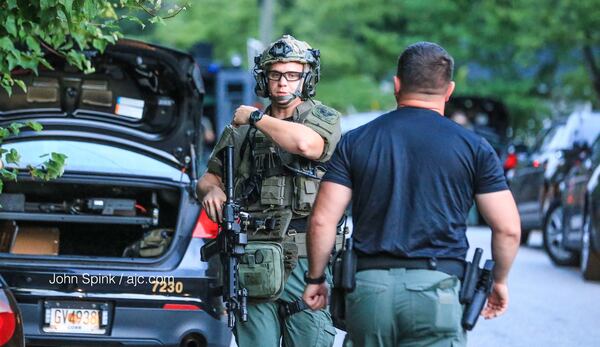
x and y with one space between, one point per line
95 158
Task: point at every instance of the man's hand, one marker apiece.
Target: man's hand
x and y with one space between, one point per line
242 115
213 203
497 301
316 295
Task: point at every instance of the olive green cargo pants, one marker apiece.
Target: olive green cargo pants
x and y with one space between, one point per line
400 307
304 329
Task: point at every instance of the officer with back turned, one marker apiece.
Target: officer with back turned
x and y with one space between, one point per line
412 175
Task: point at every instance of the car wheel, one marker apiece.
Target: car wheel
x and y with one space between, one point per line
553 236
590 259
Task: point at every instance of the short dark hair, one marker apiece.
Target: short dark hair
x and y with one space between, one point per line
425 67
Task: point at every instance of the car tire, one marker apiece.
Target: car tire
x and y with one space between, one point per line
590 259
553 234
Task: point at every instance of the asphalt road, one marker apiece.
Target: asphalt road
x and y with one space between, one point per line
549 306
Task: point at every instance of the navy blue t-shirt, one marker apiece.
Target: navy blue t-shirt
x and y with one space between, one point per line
413 175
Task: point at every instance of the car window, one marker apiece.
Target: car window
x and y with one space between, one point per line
95 158
552 139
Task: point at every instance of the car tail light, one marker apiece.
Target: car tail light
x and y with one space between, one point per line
8 320
184 307
536 164
205 227
510 162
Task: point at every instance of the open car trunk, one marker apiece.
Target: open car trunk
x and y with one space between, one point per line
87 219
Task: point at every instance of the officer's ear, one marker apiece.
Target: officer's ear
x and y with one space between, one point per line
450 90
397 85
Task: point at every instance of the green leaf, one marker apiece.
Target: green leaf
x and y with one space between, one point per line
13 156
8 175
7 89
34 125
61 15
58 157
10 25
100 45
33 44
15 128
68 5
6 44
21 84
4 133
11 4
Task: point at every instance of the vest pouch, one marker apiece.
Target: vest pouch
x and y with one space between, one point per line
261 271
305 194
273 191
269 226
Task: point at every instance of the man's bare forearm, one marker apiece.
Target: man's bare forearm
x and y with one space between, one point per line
330 204
293 137
505 245
321 239
500 211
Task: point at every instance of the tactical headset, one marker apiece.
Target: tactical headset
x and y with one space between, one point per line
280 52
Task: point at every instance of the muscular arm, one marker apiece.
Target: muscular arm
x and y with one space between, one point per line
210 191
500 211
293 137
330 204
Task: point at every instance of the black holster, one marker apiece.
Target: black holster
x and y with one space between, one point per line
344 281
476 286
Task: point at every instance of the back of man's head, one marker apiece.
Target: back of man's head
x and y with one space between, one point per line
425 68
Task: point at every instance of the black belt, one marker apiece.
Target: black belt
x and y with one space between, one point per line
452 267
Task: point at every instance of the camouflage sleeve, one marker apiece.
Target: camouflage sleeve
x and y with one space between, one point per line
230 136
326 122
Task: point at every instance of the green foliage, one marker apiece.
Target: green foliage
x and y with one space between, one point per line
527 53
227 24
68 28
359 93
52 168
64 27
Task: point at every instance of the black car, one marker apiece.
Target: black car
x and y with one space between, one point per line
578 203
11 323
109 254
590 240
535 181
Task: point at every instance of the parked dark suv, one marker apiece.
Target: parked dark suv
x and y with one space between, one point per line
536 179
577 234
109 254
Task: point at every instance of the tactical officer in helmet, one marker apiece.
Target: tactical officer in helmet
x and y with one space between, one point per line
279 156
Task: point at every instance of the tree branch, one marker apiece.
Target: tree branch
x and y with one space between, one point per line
590 59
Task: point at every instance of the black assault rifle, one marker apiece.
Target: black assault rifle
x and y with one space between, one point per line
230 244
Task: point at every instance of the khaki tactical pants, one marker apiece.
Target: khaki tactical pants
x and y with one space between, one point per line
304 329
399 307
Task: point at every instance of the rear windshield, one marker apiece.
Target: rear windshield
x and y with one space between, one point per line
95 158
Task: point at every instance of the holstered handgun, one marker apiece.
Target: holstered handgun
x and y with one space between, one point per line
344 281
477 285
